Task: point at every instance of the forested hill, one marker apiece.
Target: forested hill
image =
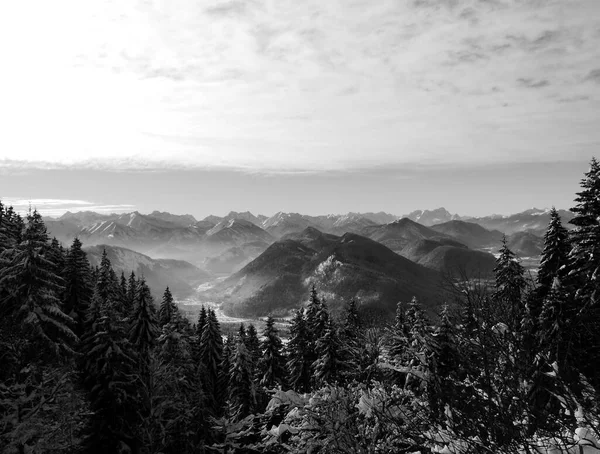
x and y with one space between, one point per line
92 364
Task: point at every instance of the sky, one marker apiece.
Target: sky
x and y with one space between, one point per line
203 106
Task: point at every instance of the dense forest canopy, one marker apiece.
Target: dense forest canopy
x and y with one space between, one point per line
92 362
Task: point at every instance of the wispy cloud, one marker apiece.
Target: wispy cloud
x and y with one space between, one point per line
289 86
58 207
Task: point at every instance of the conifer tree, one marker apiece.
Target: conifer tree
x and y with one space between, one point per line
211 356
241 335
585 252
122 297
329 364
144 327
253 345
416 321
272 364
202 317
554 255
34 288
242 395
510 286
299 361
167 308
312 311
132 285
107 365
224 370
399 336
443 363
78 285
352 323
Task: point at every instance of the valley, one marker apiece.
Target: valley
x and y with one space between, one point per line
246 266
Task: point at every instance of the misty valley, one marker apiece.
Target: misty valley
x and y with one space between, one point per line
357 333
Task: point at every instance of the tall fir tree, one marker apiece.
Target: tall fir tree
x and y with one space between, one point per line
510 287
211 356
329 364
253 345
555 253
34 289
132 285
108 364
272 364
167 308
242 393
299 360
144 327
79 288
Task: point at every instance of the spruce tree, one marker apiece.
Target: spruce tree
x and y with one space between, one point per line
34 289
144 327
554 255
78 285
224 370
399 335
329 364
299 361
272 364
107 368
202 317
443 364
167 308
242 395
253 345
211 356
510 287
132 284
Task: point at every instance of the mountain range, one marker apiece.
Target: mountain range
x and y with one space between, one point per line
267 264
341 267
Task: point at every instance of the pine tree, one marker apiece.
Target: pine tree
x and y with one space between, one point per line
242 395
107 367
585 252
167 308
224 370
202 317
34 288
399 335
132 285
144 327
253 345
443 364
122 296
312 311
107 286
510 287
78 285
583 280
329 364
241 335
299 361
272 364
554 255
211 356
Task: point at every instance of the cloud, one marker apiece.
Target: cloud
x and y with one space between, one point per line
530 83
593 76
57 207
290 86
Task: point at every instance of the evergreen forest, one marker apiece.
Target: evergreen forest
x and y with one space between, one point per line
92 362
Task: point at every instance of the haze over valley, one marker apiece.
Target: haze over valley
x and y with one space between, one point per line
254 265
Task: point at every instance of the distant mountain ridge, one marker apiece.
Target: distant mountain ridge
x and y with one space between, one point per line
162 234
341 267
180 276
